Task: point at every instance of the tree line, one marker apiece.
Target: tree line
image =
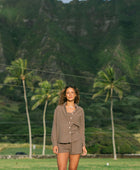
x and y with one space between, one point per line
47 93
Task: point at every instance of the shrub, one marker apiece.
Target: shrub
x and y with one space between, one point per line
100 142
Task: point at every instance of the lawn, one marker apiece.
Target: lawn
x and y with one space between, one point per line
85 164
11 149
50 163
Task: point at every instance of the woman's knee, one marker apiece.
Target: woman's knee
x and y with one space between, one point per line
62 168
72 168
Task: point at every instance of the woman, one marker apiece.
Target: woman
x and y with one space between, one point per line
68 132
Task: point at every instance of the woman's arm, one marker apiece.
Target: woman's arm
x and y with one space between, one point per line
54 128
82 128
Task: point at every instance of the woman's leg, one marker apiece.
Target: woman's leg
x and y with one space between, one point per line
73 161
62 160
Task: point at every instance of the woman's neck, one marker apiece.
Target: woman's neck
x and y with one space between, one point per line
70 103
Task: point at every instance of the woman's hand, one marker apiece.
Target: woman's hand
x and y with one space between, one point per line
55 149
84 151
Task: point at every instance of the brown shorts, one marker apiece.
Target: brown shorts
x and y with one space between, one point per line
73 147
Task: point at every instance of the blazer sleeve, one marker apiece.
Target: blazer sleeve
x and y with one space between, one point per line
54 130
82 127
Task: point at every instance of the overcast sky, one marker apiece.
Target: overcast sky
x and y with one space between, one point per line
66 1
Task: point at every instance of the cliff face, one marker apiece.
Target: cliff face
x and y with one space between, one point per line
82 36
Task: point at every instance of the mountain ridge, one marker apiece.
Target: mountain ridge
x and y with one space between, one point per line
82 36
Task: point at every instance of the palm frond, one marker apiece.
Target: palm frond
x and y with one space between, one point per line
9 79
17 68
53 100
110 71
21 63
36 97
103 76
99 84
45 85
108 86
99 93
118 91
107 80
59 84
120 81
39 102
107 95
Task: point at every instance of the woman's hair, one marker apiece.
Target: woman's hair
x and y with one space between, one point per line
63 98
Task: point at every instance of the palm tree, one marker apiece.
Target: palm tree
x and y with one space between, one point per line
18 72
44 94
106 82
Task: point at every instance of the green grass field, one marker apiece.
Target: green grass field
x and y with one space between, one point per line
50 163
85 164
11 149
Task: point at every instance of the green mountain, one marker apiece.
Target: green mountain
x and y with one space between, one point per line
75 38
73 42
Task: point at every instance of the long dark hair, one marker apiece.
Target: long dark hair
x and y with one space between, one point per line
63 98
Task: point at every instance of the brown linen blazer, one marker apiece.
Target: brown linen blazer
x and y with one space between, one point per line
61 130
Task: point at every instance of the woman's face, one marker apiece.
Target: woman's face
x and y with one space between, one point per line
70 94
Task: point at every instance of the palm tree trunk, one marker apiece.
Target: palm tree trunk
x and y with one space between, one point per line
44 126
113 131
28 119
